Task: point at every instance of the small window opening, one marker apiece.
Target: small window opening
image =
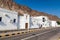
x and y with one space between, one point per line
14 20
0 19
43 19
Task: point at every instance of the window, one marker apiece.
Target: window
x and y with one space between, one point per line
43 19
0 19
14 20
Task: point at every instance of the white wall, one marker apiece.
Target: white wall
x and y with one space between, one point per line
36 22
24 20
53 23
7 21
27 19
33 22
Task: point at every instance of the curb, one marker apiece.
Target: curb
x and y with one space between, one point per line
9 34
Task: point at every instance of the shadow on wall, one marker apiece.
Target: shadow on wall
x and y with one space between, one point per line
2 24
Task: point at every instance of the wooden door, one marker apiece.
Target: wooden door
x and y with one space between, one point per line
26 25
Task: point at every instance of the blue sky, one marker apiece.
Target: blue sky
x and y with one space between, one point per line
47 6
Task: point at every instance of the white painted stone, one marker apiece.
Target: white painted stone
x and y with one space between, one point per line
33 22
24 20
36 22
7 19
53 23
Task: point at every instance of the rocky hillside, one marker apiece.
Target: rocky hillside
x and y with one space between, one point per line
10 5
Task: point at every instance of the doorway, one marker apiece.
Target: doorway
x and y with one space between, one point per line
26 25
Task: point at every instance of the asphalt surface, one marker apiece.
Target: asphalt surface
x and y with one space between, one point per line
55 37
39 35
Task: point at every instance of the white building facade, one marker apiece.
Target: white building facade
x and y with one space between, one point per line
24 21
40 21
8 19
53 23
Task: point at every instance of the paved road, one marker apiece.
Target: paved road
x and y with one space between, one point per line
55 37
39 35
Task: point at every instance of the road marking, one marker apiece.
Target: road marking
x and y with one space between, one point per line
36 35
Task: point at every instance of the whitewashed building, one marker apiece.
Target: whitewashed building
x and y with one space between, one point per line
24 21
8 19
40 21
53 23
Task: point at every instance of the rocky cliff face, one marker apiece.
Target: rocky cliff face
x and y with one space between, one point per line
10 5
